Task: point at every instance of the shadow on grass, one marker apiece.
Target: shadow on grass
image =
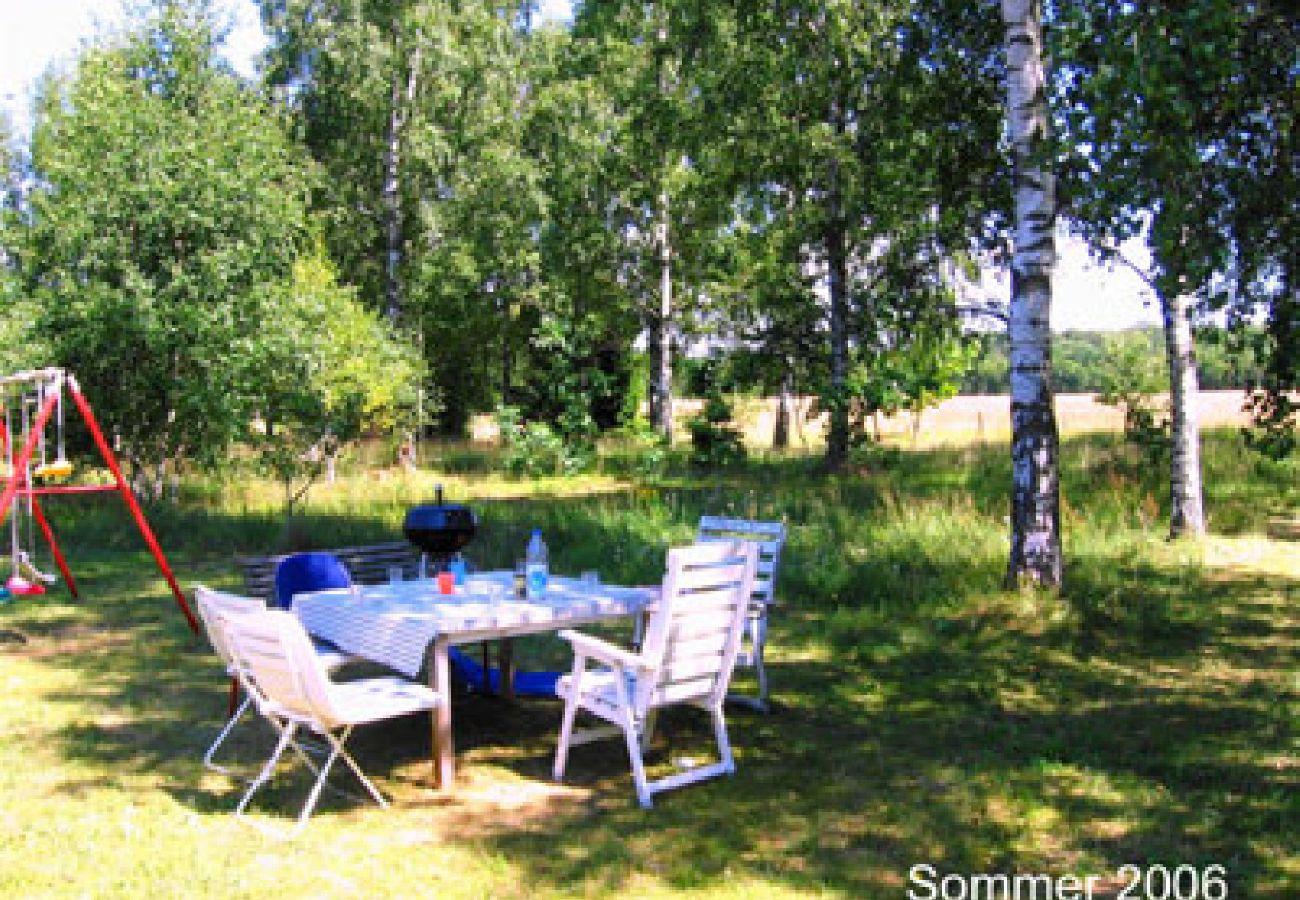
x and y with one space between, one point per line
1145 717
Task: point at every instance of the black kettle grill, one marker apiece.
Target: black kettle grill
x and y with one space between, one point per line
440 529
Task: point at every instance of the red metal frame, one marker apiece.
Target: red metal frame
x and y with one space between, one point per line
64 489
25 455
17 486
39 515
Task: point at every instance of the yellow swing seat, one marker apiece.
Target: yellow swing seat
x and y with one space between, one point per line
60 468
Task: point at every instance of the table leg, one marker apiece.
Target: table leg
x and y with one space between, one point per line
444 752
506 657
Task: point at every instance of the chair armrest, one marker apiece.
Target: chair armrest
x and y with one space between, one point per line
604 651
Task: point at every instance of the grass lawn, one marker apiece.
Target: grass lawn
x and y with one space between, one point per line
1145 716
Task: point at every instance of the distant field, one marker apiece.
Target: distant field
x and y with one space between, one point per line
963 420
974 418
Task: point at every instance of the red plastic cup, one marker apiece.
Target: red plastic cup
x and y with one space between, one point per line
446 582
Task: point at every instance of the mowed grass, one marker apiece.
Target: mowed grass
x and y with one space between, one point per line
1145 716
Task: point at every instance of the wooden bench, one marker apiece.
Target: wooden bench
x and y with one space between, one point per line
368 564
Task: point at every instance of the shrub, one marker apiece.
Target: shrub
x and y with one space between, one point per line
715 442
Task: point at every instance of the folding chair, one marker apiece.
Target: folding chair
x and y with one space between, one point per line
291 689
691 642
770 538
210 603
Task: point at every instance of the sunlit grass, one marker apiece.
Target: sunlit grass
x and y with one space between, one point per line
1145 715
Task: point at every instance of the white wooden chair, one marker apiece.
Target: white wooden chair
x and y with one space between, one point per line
291 688
689 651
770 538
210 603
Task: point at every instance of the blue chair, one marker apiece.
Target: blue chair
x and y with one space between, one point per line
302 572
317 571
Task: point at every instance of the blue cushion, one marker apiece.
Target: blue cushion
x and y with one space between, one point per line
527 684
308 572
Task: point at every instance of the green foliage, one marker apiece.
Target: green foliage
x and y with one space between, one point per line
534 449
645 447
21 346
1131 374
715 441
433 201
574 377
1276 432
831 192
1089 362
167 199
1178 120
337 372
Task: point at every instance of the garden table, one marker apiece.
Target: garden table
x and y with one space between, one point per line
401 624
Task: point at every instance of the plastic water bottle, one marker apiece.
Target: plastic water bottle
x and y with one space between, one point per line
457 567
536 568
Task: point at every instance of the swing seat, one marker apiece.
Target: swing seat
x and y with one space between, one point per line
60 468
21 587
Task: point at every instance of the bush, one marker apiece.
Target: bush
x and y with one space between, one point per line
715 442
534 449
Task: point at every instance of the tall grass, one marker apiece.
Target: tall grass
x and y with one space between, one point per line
1144 715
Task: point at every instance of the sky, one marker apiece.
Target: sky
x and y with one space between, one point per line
35 34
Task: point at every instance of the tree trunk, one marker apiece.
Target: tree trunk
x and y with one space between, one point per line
393 209
1035 555
661 351
837 439
399 107
1186 509
781 429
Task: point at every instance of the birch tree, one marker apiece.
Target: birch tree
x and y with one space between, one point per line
1176 120
647 50
862 138
1035 491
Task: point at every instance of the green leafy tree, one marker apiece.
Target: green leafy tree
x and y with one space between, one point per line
167 199
842 148
1132 378
652 59
415 112
336 372
1178 119
21 346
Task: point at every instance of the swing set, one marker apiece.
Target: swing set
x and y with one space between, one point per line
28 401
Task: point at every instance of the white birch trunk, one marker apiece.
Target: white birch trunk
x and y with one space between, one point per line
400 103
661 361
1035 555
1186 507
392 209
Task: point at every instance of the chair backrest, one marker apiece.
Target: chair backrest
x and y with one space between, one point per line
316 571
694 631
770 537
211 605
273 650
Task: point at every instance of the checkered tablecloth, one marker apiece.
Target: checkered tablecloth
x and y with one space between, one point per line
393 624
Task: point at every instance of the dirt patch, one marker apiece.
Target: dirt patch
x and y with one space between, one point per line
66 640
10 638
